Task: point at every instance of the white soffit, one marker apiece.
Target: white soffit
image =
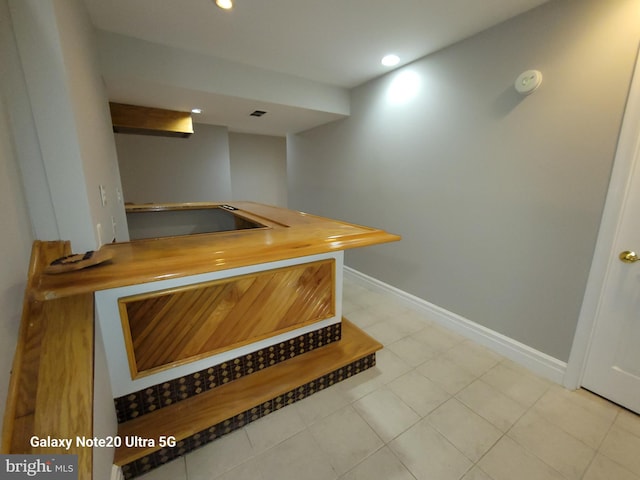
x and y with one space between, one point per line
142 73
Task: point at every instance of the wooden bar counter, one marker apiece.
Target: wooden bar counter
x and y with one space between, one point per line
213 316
286 234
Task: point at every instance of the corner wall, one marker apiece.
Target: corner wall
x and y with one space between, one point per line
258 168
212 165
162 170
71 125
498 197
17 235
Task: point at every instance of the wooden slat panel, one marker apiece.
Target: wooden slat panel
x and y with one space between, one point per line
64 403
213 310
181 325
190 416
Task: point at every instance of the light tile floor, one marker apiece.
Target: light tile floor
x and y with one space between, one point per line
436 407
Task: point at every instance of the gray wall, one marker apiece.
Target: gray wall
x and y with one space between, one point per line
17 234
498 197
212 165
70 113
163 169
259 168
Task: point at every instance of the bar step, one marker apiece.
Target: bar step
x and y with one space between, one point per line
190 417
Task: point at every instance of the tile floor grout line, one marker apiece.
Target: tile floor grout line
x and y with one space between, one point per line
598 452
530 408
384 445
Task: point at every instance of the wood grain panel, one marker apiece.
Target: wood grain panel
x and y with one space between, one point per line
172 327
150 121
22 432
64 402
23 384
30 361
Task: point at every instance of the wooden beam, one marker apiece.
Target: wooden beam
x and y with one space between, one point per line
150 121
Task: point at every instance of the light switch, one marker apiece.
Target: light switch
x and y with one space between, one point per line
103 195
99 231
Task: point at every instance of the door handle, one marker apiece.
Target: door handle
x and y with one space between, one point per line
628 257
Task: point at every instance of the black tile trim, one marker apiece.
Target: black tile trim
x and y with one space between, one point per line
162 395
159 458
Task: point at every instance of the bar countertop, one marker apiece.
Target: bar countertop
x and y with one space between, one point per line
285 234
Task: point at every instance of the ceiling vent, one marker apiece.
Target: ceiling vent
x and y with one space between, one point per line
257 113
150 121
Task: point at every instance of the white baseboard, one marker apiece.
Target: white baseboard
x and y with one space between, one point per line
536 361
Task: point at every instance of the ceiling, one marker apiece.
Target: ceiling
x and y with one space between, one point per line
331 42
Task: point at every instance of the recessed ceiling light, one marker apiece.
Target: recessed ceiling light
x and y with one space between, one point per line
225 4
390 60
196 110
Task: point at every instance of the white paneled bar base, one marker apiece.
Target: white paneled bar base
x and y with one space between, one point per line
117 345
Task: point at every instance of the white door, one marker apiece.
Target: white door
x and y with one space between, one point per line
612 367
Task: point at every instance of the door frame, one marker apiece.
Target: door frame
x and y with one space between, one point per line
626 157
